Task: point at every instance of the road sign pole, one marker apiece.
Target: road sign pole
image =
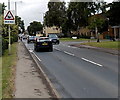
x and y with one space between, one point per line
9 30
9 18
9 41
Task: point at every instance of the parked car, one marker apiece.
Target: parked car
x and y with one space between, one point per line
31 39
42 43
54 38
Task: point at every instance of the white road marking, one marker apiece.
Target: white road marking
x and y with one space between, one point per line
57 49
92 62
31 50
69 46
69 53
37 56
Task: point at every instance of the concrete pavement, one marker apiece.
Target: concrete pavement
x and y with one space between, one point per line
28 82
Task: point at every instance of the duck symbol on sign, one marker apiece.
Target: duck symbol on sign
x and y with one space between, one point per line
9 16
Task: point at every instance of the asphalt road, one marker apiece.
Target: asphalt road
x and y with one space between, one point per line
79 72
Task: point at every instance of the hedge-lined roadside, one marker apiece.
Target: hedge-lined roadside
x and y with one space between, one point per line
5 42
8 71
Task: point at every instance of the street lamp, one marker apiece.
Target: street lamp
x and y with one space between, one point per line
108 27
16 6
43 16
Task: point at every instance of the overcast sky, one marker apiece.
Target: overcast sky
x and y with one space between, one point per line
31 10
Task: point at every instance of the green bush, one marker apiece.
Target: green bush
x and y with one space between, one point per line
11 39
4 45
15 38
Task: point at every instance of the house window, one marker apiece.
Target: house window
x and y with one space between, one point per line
54 28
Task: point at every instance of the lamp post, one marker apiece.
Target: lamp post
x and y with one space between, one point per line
108 27
43 23
43 16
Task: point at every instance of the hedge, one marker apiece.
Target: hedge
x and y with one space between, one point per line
4 45
5 41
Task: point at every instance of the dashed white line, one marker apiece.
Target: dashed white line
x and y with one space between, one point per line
69 53
91 62
57 49
37 56
31 50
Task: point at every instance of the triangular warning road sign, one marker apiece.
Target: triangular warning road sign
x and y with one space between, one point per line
9 16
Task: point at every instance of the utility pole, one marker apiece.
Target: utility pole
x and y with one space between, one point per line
9 30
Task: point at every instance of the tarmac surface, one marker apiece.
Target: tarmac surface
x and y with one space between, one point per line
29 83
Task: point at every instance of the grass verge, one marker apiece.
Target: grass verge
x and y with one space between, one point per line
104 44
8 71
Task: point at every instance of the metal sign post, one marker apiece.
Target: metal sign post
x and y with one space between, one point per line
9 18
9 41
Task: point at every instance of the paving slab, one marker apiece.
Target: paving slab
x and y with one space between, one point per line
28 82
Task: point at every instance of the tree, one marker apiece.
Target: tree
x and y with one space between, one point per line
2 8
20 23
114 13
79 12
56 14
34 27
96 22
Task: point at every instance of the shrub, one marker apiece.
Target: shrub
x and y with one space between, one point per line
4 45
15 38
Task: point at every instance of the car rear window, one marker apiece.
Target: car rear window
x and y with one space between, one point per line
53 36
43 39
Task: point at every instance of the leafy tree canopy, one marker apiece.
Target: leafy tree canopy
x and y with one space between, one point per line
114 13
56 14
34 27
2 8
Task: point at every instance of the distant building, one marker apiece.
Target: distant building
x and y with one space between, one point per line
52 30
113 32
83 31
116 31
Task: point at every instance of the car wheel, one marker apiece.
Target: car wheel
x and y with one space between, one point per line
51 49
36 49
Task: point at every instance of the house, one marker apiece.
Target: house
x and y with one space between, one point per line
83 32
113 31
116 31
52 30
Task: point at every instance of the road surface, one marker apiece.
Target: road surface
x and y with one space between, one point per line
80 72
